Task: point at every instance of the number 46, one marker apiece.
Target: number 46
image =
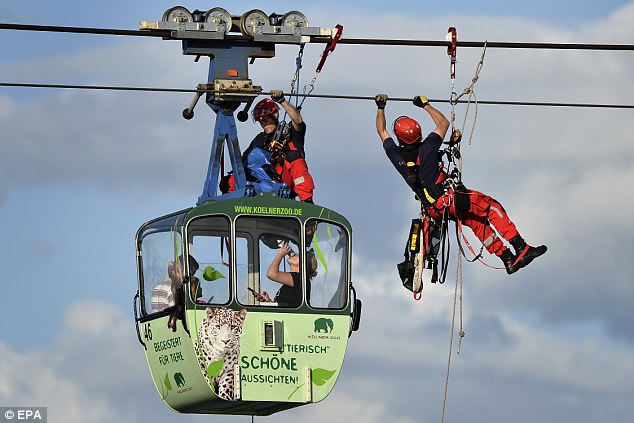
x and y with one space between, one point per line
147 332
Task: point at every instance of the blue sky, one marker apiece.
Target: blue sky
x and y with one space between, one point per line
80 171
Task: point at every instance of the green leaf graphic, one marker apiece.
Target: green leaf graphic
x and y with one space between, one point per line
321 376
210 274
167 382
214 368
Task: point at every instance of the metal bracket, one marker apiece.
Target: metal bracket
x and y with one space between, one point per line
185 30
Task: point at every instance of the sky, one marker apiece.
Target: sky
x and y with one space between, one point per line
81 170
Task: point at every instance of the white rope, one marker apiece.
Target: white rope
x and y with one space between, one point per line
470 90
453 101
472 95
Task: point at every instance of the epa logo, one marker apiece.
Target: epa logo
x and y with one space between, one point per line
24 414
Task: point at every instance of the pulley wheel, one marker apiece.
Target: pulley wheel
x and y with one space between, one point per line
177 14
220 17
295 19
251 20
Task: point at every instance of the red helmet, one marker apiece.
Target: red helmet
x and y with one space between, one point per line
407 130
263 108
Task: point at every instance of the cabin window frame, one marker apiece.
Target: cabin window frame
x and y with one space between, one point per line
154 261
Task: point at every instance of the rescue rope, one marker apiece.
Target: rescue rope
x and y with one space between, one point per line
460 333
477 256
470 90
455 98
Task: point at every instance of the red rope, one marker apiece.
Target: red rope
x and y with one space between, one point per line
473 251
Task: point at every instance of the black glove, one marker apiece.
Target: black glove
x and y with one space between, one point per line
277 96
380 100
420 101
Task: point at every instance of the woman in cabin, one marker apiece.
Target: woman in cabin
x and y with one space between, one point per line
290 294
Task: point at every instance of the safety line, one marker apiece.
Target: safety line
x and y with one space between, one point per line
324 96
353 41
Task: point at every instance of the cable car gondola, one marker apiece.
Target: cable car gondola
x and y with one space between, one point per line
268 356
214 342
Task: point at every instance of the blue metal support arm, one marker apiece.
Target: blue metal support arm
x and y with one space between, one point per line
230 86
224 131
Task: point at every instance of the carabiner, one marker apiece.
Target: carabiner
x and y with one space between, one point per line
451 50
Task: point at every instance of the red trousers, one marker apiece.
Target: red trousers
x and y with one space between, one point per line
479 212
295 174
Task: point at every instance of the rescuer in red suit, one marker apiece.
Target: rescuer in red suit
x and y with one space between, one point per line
287 149
416 159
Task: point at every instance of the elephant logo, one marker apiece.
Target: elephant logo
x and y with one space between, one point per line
324 325
180 380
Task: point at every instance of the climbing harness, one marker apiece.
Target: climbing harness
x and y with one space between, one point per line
278 144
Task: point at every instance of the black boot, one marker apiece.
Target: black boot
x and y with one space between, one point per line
509 261
525 252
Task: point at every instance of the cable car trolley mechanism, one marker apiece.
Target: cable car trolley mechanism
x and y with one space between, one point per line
245 301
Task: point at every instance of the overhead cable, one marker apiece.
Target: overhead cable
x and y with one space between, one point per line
357 41
324 96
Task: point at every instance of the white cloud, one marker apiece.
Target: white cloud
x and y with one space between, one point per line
66 378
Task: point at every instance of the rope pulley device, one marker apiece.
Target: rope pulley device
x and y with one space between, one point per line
452 37
456 134
228 85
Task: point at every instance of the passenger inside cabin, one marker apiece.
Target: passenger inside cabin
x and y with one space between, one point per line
290 293
163 293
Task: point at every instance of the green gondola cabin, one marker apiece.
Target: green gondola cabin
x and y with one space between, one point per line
260 357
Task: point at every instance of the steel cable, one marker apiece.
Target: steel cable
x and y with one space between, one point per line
323 96
352 41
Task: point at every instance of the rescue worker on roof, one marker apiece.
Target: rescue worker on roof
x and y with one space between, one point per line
416 159
287 147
